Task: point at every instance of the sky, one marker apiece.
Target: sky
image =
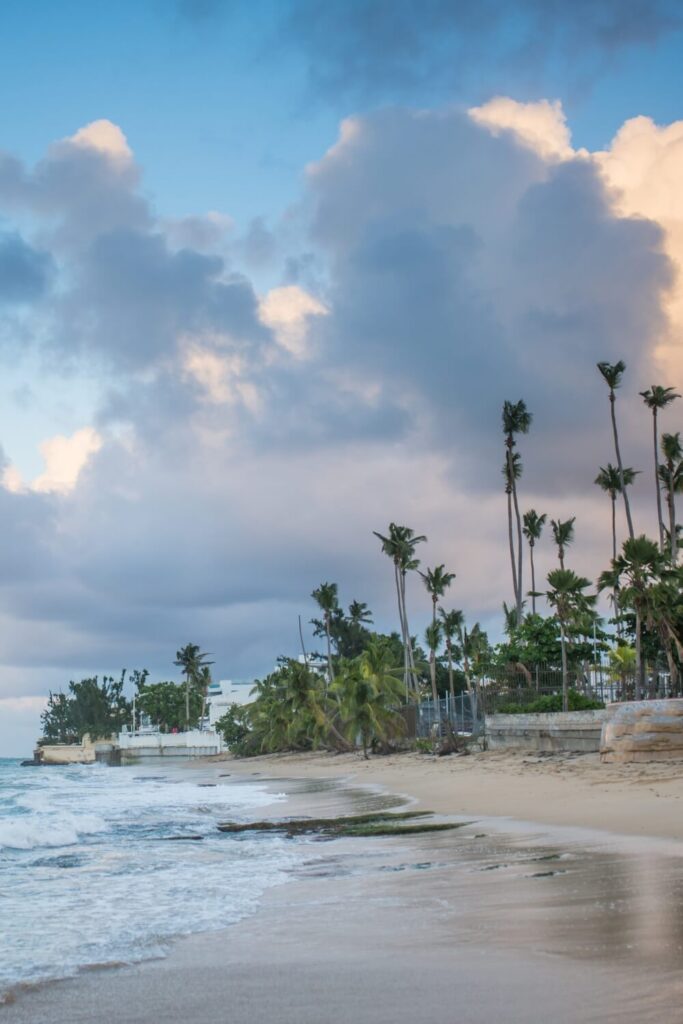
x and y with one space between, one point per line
268 272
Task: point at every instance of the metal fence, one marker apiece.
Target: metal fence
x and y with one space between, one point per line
496 689
431 718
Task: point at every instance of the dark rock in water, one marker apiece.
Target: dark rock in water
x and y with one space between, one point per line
182 839
34 762
207 785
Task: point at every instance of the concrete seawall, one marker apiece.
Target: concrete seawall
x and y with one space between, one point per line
644 730
556 732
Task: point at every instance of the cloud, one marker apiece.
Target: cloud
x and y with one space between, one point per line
64 458
25 272
104 137
248 442
379 49
541 125
287 311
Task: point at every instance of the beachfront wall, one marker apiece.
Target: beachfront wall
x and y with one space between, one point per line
86 752
643 730
195 743
557 732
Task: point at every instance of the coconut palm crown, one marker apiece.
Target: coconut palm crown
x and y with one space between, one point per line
563 533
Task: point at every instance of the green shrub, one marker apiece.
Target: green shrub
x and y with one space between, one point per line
551 702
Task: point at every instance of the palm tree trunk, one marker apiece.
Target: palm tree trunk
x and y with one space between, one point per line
520 561
658 490
614 526
187 701
672 516
627 506
432 673
560 553
406 675
409 642
450 670
330 673
512 546
639 659
565 671
533 578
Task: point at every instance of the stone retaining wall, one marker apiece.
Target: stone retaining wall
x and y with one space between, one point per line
555 732
644 730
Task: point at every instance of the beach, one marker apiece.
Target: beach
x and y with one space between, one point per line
553 903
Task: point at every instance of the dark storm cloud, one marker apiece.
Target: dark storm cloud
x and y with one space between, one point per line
24 272
381 46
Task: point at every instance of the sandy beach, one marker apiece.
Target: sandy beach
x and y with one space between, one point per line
576 918
565 790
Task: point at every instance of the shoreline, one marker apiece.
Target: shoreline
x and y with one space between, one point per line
561 790
402 929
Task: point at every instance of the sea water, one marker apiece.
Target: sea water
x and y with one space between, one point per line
92 869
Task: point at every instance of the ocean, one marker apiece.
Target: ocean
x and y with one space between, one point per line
88 874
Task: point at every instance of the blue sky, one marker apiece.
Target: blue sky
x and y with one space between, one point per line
267 272
219 106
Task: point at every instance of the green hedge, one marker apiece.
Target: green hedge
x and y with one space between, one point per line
551 702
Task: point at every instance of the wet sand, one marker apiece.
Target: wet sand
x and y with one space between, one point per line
490 924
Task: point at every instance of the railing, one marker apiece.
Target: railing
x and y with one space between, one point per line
431 719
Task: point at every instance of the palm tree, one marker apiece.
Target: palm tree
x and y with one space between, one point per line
359 614
204 682
191 660
533 527
516 420
636 571
512 471
437 581
433 639
612 374
609 479
566 595
672 475
451 624
400 546
656 398
563 533
369 691
326 598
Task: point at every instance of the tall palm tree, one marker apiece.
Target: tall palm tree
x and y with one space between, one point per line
433 640
516 420
533 527
437 581
359 614
612 374
399 545
636 572
563 533
566 595
656 398
512 471
327 600
672 475
191 659
609 479
451 624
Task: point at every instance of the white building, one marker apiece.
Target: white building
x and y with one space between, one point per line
223 693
